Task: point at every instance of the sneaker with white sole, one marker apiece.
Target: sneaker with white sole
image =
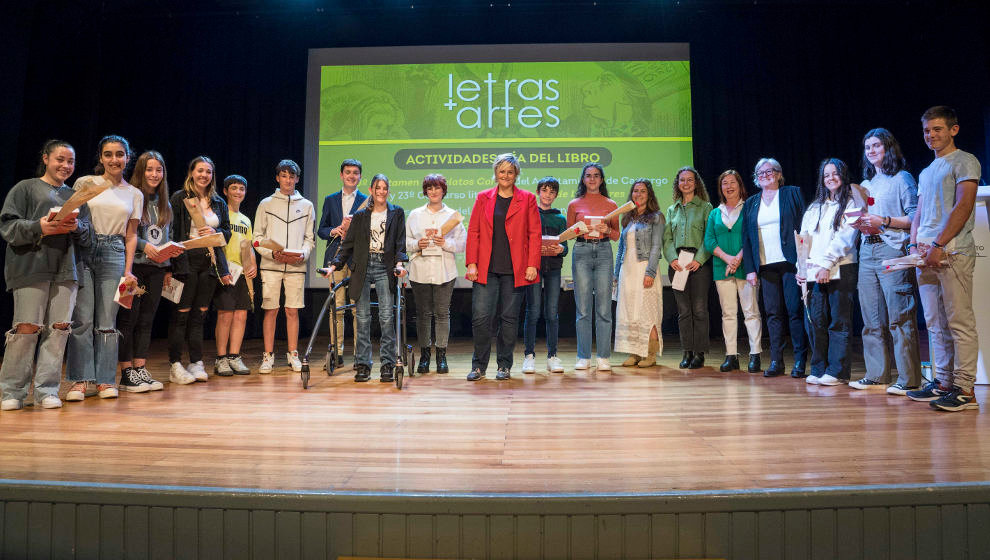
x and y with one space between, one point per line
152 384
830 380
929 392
237 365
866 384
179 375
954 401
812 380
294 362
554 365
582 363
267 362
222 367
529 363
900 389
77 392
131 381
198 371
603 365
51 401
107 391
12 404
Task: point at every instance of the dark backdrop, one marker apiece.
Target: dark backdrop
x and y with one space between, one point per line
798 81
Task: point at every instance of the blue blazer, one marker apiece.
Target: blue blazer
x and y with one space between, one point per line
332 216
791 211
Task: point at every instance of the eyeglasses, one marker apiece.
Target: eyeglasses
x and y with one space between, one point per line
592 176
766 173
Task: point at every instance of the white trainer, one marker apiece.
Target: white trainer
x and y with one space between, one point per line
554 365
51 401
582 363
603 365
293 359
267 362
529 363
198 371
812 380
179 375
12 404
830 380
108 391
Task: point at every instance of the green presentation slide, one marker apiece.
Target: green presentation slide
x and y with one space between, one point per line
410 120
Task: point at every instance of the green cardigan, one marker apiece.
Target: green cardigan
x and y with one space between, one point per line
729 240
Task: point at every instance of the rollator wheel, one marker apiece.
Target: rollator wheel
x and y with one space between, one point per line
304 374
398 377
331 361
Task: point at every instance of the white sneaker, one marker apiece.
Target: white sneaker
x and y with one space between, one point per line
77 393
293 359
830 380
12 404
582 363
267 362
179 375
603 365
812 380
51 401
198 371
529 363
554 365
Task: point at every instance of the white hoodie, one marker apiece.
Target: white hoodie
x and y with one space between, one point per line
288 220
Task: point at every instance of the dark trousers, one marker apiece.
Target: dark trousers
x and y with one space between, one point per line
830 311
485 299
187 328
692 308
543 297
782 301
135 323
433 304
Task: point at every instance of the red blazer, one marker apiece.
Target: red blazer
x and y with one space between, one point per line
522 226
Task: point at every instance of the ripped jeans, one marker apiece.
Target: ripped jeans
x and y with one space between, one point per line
43 305
92 354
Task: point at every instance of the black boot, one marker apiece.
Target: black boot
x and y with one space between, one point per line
799 367
776 368
754 363
424 360
686 360
442 361
731 363
698 361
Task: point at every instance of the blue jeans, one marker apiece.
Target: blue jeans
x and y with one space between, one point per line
43 305
92 347
591 266
485 300
548 294
378 275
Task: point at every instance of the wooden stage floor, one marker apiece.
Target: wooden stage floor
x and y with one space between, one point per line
630 431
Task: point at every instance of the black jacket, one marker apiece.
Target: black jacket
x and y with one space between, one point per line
357 244
182 222
791 212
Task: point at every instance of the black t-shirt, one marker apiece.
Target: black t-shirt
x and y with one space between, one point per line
501 262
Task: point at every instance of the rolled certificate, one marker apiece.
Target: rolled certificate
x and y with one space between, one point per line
86 192
212 240
627 207
269 244
579 228
249 263
451 223
195 212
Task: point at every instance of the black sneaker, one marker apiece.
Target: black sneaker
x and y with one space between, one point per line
900 389
503 374
131 381
929 392
954 401
387 373
866 384
475 375
362 373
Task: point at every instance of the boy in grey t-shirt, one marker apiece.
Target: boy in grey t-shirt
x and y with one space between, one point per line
942 230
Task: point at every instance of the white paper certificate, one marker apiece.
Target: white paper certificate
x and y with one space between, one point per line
681 276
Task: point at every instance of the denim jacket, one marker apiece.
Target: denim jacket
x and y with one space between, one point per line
649 242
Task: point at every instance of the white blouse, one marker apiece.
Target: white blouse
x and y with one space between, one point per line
768 221
439 267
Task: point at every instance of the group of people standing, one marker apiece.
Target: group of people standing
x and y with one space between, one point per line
63 275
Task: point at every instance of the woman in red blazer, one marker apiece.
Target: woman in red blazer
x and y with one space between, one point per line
503 256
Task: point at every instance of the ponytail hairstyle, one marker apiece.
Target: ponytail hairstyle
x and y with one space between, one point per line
138 180
47 149
109 139
190 186
822 193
